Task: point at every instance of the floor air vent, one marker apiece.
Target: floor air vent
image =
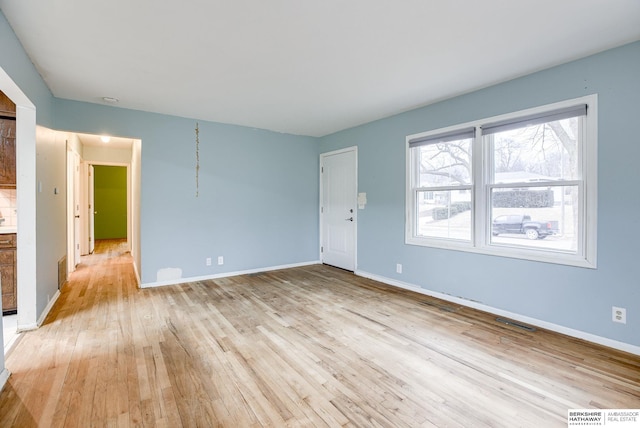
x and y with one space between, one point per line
441 307
516 324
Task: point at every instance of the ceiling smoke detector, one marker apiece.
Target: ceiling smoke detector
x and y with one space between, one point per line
110 100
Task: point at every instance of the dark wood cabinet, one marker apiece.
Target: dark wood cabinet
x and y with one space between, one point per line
7 107
8 180
7 153
8 273
7 142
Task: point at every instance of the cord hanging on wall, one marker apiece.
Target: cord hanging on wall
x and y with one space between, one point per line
197 159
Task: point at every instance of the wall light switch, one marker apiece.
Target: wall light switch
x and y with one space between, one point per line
220 260
362 200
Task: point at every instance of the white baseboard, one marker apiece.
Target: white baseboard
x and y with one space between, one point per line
27 327
622 346
44 313
225 274
4 377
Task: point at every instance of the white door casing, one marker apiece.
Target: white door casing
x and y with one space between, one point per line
338 208
91 209
84 219
71 230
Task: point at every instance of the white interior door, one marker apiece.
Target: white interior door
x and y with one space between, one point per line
91 212
338 216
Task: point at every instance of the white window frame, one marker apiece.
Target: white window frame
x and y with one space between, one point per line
586 253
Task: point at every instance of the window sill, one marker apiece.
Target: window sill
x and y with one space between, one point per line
543 256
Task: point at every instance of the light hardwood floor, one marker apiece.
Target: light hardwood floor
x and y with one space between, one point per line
311 346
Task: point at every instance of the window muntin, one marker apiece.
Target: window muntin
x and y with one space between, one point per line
538 165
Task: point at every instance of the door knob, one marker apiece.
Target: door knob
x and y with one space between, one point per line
349 219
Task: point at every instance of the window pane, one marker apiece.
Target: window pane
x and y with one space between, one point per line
444 214
537 217
445 163
543 152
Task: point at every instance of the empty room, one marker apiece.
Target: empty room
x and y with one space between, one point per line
359 214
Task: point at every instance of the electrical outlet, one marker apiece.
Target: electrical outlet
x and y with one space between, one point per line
208 261
619 315
398 268
220 260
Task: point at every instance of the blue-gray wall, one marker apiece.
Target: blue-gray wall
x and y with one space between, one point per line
15 62
258 190
571 297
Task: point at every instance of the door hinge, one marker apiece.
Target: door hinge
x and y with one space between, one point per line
322 249
321 210
321 169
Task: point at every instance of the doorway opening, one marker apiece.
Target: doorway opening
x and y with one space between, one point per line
103 182
109 191
25 215
8 222
8 209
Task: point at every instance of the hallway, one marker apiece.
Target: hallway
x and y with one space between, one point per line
57 368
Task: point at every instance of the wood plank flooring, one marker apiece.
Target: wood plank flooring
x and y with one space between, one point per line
304 347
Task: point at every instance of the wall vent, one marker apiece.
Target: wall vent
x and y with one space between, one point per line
516 324
62 272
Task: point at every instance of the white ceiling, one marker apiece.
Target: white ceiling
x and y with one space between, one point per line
301 66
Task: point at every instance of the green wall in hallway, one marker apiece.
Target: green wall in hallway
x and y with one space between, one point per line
110 202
